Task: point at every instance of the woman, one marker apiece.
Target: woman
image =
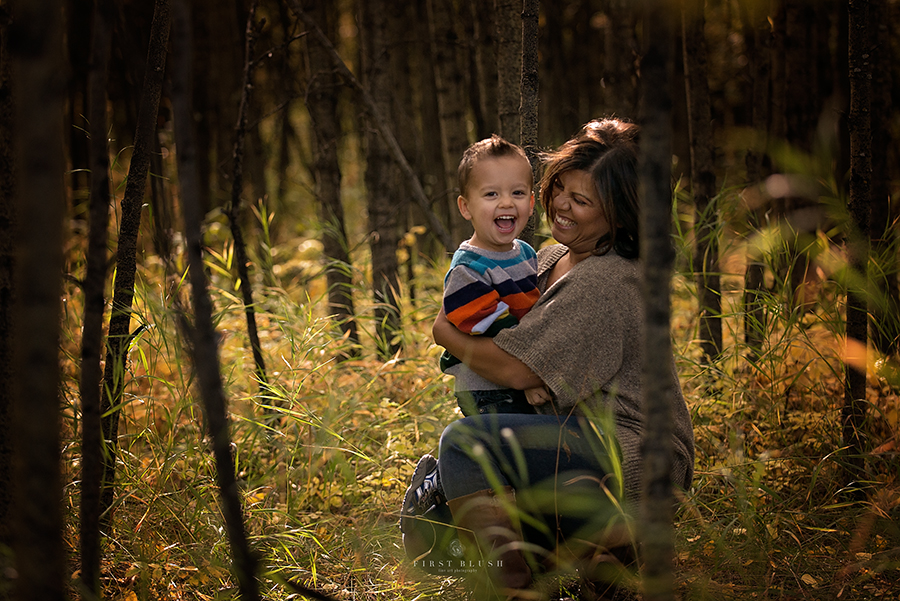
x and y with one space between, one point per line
573 470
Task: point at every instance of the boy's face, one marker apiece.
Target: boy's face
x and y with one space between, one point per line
498 201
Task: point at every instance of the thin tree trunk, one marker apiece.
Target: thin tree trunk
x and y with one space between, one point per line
7 273
234 207
381 188
38 74
119 336
509 67
619 74
528 137
429 162
322 103
94 301
450 85
201 336
656 530
703 180
485 72
859 122
383 127
758 37
885 321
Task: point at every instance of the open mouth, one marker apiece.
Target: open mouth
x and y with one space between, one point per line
563 222
505 224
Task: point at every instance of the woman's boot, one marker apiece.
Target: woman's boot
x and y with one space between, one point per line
493 543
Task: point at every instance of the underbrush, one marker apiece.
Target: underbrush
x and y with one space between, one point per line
324 458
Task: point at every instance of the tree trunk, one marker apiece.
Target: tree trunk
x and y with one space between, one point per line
119 336
859 122
449 84
509 67
38 76
225 41
381 188
885 322
201 337
703 180
758 38
234 206
656 527
7 273
322 103
621 45
94 300
529 107
403 116
485 73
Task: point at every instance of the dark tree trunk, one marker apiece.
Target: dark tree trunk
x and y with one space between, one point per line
430 159
509 67
656 529
619 74
859 122
119 336
38 75
758 38
885 322
322 103
703 179
381 180
529 107
403 115
94 301
234 208
78 43
801 108
224 42
485 72
201 335
7 273
450 85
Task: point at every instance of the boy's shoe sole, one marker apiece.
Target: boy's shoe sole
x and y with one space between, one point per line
424 467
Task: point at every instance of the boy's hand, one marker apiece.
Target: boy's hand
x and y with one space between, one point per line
537 396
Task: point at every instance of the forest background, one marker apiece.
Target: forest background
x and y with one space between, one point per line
300 156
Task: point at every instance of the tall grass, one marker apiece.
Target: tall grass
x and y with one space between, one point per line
324 461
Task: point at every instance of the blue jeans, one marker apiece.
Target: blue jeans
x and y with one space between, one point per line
561 468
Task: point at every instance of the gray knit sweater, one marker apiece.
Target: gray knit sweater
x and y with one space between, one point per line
584 339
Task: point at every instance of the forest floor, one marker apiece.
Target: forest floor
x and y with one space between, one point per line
324 462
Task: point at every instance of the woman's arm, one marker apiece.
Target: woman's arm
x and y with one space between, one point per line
484 357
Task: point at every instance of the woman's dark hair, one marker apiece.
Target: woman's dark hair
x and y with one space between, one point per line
607 150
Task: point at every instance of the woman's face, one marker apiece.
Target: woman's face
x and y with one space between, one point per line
578 217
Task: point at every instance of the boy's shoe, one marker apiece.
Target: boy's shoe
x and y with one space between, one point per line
424 490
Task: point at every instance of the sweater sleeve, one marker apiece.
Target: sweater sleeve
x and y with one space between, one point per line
574 338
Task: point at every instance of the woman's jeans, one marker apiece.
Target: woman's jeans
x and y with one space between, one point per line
562 468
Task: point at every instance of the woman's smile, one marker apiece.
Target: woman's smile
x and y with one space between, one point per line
578 217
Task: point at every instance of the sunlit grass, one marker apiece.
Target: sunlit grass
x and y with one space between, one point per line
324 458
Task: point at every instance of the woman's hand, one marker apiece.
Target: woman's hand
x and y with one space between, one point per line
537 396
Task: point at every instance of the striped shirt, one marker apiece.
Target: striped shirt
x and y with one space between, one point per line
485 292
